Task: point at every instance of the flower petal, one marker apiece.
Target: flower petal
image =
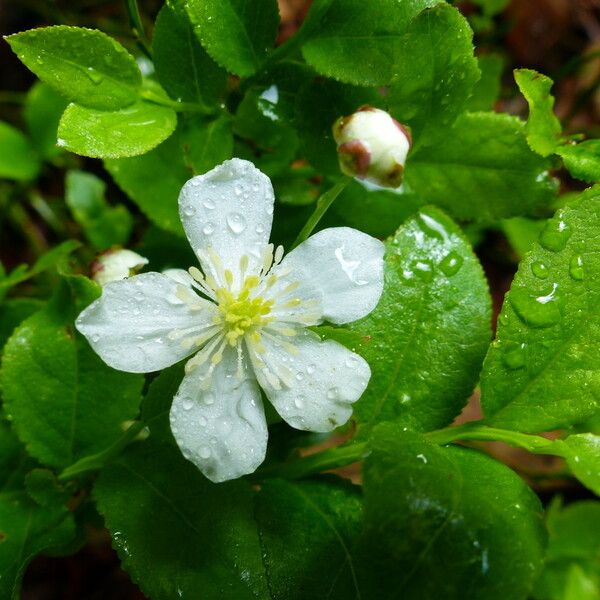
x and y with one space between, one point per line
220 428
131 325
346 265
318 383
229 210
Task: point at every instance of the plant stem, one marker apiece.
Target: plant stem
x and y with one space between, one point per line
323 203
97 461
176 106
138 27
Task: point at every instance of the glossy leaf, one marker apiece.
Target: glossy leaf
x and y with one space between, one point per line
539 374
128 132
42 111
103 225
64 401
207 144
182 65
582 160
543 127
238 34
482 170
487 89
361 42
18 159
13 312
448 522
435 72
430 331
84 65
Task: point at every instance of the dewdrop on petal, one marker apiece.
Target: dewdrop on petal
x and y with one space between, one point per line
372 146
114 265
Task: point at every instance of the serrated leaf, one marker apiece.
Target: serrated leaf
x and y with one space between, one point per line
18 159
482 170
182 65
543 127
206 144
358 42
102 224
435 71
539 374
238 34
64 401
582 453
430 331
42 111
13 312
127 132
447 522
582 160
84 65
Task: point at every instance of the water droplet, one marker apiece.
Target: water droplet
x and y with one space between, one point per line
422 458
514 356
202 421
208 204
299 376
260 229
423 269
555 234
187 403
208 229
189 211
431 227
237 190
537 311
451 264
576 268
95 338
333 393
94 76
299 402
236 223
352 362
204 452
140 297
209 398
540 270
349 266
310 369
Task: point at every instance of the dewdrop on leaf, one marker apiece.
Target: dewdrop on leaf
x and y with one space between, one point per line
372 146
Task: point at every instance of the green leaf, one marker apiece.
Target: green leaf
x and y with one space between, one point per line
128 132
491 7
483 170
64 401
448 522
539 374
308 532
26 529
238 34
487 89
42 112
319 103
13 312
153 181
14 462
18 159
207 144
582 453
582 160
182 65
435 72
543 127
177 534
84 65
103 225
522 233
430 331
573 550
361 42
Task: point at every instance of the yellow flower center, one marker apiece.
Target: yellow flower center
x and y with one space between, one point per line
241 314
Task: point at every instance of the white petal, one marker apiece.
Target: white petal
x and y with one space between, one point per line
346 265
318 384
130 326
222 428
229 210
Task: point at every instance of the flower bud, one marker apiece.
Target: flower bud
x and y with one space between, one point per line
114 265
372 146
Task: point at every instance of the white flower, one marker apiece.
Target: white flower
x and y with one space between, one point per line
372 146
243 321
113 265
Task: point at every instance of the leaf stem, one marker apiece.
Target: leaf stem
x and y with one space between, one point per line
161 100
323 204
138 27
97 461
